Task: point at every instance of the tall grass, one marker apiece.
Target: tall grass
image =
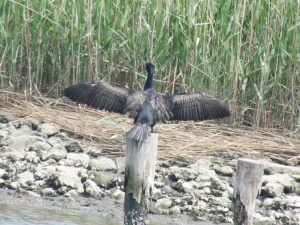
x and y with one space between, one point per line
244 52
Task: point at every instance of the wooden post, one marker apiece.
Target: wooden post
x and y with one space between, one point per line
246 189
139 178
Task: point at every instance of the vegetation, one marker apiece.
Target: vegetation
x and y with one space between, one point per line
246 53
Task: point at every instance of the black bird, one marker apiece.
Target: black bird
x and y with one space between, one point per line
146 107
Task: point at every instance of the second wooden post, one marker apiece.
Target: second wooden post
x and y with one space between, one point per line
139 178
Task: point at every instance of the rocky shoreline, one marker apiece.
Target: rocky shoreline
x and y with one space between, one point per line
40 160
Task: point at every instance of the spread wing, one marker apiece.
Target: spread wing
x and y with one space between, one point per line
134 103
195 106
99 94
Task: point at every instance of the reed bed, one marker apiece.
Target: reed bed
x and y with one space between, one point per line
180 141
244 52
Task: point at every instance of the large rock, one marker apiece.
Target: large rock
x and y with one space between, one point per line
57 153
39 146
103 163
73 146
223 170
22 143
162 206
100 178
25 177
288 182
67 176
54 140
184 173
48 128
272 168
120 165
91 189
273 189
24 130
80 159
6 117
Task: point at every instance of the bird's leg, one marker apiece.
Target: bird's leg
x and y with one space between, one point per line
151 129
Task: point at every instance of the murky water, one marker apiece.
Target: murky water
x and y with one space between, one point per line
19 215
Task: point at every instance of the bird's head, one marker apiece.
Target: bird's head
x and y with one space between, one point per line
149 67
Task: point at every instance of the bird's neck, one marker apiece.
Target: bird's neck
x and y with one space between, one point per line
149 84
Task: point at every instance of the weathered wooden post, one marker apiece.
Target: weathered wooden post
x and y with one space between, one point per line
246 189
139 178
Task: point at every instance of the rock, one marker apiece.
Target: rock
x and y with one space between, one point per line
13 185
258 219
120 165
31 157
2 183
273 189
162 206
33 194
190 186
24 130
48 128
66 176
22 143
267 202
57 154
3 135
49 192
66 162
73 146
103 163
32 122
175 210
6 117
272 168
223 170
71 193
13 155
2 172
101 179
177 173
91 189
286 203
25 177
118 194
164 164
93 151
284 179
39 146
80 159
296 177
54 140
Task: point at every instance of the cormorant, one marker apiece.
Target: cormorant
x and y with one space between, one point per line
146 107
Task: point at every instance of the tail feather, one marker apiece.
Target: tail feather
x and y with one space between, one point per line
139 132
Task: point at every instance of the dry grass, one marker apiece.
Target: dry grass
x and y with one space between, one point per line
185 141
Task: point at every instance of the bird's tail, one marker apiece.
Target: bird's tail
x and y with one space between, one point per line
139 132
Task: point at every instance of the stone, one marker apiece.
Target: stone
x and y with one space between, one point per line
66 176
223 170
120 161
54 140
296 177
48 128
189 187
2 183
161 206
273 189
23 131
39 146
80 159
273 168
91 189
13 185
175 210
66 162
14 155
33 194
6 117
22 143
100 178
2 172
177 173
49 192
93 151
25 177
163 163
258 219
118 194
286 203
288 182
71 193
57 154
103 163
73 146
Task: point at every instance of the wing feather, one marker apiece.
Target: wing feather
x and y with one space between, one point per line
195 106
99 94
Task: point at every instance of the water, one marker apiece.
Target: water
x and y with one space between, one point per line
19 215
